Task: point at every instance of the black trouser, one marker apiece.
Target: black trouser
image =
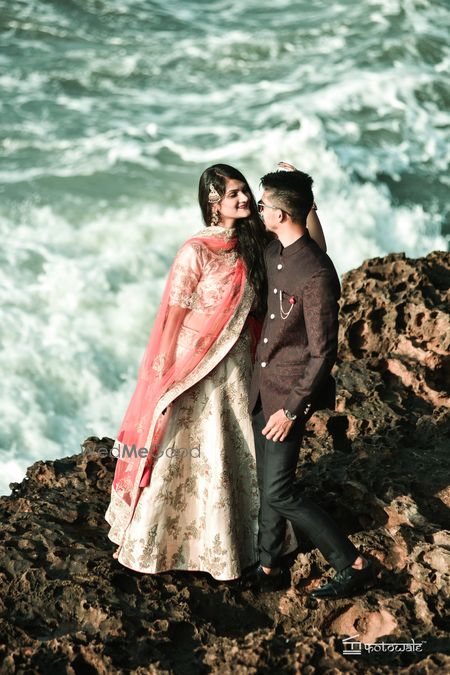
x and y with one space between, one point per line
281 500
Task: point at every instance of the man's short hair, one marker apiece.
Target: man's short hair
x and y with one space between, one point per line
291 191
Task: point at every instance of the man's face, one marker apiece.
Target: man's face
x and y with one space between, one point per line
269 212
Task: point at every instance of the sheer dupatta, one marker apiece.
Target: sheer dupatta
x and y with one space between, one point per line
189 325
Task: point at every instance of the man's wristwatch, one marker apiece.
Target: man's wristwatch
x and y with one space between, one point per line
291 417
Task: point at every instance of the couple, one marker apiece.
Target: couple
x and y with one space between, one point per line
212 380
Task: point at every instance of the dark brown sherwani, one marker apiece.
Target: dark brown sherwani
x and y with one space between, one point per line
293 362
295 355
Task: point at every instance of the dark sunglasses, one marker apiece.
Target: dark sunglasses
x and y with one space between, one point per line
261 206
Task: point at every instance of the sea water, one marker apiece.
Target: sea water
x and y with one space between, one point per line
109 112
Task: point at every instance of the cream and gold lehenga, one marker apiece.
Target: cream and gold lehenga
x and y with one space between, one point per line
199 511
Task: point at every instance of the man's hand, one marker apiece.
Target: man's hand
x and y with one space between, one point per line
278 427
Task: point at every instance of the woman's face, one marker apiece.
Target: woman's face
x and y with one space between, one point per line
236 201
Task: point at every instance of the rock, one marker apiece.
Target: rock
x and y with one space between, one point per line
379 463
368 625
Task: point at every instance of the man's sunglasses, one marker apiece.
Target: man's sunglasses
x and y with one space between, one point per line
262 206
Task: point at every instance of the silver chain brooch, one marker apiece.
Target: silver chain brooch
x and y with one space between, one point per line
284 315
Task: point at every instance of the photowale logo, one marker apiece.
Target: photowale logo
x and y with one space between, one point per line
354 647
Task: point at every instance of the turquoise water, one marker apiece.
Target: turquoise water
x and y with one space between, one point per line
109 113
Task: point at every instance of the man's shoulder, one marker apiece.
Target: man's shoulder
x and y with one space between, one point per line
316 258
317 265
272 247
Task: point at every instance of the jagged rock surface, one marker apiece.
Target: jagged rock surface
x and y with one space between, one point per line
380 463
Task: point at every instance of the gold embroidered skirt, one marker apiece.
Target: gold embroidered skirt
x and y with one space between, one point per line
200 511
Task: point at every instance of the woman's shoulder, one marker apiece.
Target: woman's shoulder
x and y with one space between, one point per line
200 239
204 243
195 242
192 248
196 236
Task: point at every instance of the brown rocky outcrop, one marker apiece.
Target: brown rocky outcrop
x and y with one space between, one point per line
380 462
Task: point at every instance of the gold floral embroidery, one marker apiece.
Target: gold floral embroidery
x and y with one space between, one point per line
178 558
191 531
149 544
188 496
172 527
159 363
214 556
200 276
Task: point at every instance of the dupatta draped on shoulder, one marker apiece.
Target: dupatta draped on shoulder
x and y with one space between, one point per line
204 307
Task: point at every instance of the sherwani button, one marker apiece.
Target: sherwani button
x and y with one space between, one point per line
272 316
279 266
263 364
266 340
275 290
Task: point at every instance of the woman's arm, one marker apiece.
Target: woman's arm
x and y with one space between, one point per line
183 279
312 221
169 337
315 228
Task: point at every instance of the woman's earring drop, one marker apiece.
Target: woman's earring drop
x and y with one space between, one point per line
215 218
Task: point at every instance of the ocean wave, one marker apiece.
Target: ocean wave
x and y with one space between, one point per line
110 113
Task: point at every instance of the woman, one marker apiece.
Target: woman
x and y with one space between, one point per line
192 502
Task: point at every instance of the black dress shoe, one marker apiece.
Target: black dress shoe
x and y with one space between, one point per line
256 579
346 582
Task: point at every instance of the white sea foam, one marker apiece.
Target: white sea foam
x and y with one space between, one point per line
78 330
105 134
76 334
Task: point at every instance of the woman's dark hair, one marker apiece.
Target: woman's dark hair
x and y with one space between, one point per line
252 236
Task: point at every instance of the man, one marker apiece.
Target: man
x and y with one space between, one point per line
291 380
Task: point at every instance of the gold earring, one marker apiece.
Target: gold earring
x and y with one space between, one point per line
215 218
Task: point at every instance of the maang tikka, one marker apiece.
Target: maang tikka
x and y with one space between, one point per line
214 198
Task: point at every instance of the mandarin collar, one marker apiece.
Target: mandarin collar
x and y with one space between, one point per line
296 246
